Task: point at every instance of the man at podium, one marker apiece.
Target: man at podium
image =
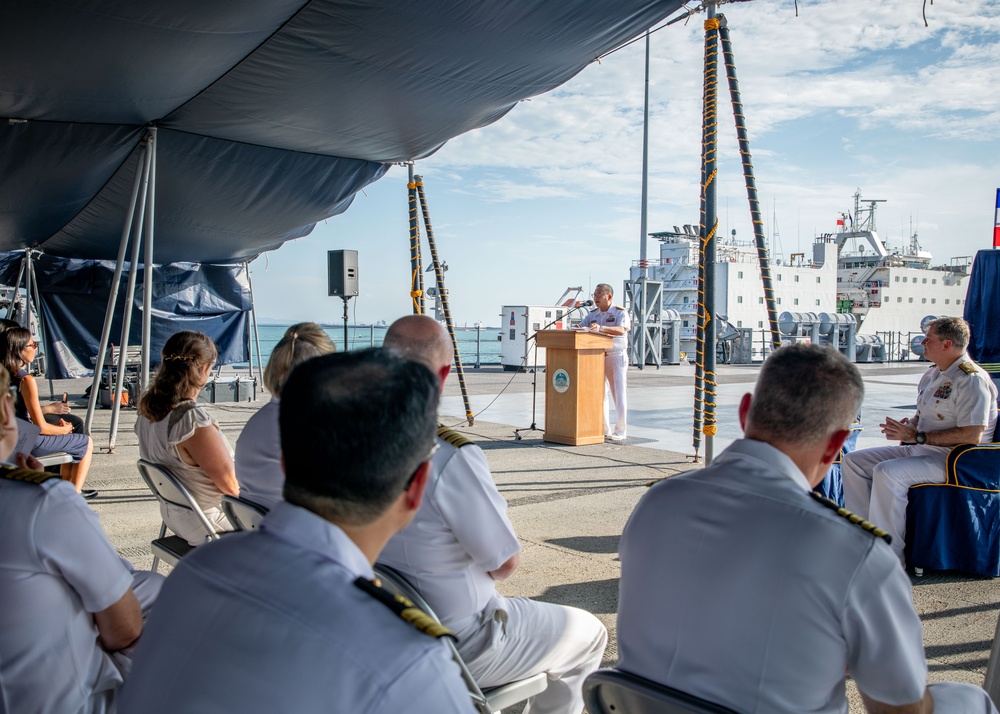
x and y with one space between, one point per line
612 320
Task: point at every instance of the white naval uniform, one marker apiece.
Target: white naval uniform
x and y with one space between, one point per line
271 621
739 588
458 536
57 568
615 365
876 481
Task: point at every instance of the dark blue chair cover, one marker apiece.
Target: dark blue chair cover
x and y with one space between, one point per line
956 525
832 485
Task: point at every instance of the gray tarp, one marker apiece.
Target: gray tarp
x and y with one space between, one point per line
272 114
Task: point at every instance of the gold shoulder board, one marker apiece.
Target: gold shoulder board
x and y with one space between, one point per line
27 475
968 367
453 437
405 609
852 517
620 308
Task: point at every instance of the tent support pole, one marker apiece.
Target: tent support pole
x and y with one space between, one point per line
15 297
27 288
140 175
41 328
147 264
253 322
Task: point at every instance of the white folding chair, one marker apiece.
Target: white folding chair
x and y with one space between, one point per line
487 701
168 489
245 515
56 458
611 691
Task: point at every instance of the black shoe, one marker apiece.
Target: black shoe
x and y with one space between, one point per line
88 493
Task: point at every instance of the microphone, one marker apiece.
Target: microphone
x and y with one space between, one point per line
587 303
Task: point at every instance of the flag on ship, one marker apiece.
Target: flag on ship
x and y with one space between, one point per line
996 224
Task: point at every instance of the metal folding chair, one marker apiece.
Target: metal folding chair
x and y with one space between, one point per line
611 691
487 701
245 515
168 489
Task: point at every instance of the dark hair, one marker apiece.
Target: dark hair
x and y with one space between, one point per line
354 427
6 324
184 354
805 393
13 341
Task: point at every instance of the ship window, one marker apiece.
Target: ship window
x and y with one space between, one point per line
911 300
686 323
947 301
933 301
779 276
548 313
924 281
904 278
796 300
760 323
686 298
739 274
760 301
933 281
923 300
817 303
819 279
739 323
739 299
897 278
958 302
796 278
779 301
899 299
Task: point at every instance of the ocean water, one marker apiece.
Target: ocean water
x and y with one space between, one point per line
472 343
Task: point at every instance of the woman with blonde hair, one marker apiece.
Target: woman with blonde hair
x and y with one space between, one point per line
258 450
178 433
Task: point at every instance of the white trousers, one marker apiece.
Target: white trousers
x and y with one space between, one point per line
960 698
615 366
518 637
876 482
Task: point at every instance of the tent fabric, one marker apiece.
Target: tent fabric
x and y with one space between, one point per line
271 114
214 299
982 309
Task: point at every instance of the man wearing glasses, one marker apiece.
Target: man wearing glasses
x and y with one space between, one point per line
612 320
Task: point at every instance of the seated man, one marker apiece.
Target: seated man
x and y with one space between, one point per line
288 618
956 404
461 543
72 608
741 587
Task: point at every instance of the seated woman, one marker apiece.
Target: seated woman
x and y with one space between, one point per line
179 434
258 450
18 351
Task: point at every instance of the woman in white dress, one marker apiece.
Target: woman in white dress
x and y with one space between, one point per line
179 434
258 450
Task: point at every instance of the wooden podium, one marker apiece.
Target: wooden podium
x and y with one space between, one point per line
574 385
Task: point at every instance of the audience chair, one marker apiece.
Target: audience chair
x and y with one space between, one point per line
486 701
955 525
56 458
168 489
992 682
611 691
245 515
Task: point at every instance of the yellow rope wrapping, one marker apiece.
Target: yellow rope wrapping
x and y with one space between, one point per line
711 23
709 430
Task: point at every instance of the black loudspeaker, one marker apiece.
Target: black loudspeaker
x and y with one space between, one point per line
343 266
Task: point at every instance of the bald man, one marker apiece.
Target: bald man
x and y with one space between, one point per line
461 543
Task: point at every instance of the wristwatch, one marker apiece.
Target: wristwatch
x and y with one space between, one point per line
921 437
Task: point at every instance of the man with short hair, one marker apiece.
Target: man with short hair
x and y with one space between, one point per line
288 618
956 404
741 587
461 543
612 320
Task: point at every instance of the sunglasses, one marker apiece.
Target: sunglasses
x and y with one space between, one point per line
409 481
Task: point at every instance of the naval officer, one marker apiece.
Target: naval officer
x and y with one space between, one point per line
612 320
740 587
956 404
287 618
461 544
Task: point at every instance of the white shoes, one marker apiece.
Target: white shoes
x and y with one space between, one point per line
614 439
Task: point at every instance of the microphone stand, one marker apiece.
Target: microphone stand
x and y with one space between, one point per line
534 376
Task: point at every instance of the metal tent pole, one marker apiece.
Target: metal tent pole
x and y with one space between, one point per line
147 264
443 297
27 289
643 260
16 296
710 224
41 327
140 178
253 322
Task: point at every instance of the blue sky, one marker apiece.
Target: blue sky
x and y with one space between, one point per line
850 94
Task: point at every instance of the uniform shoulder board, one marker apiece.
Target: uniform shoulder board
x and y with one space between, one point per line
852 517
968 367
405 609
619 307
456 439
27 475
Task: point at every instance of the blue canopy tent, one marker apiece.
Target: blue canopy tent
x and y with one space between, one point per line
248 121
